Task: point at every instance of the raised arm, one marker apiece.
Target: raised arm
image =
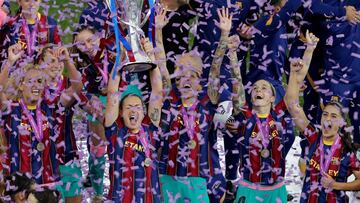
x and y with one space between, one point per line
214 77
14 53
238 87
160 56
298 71
156 98
69 95
113 100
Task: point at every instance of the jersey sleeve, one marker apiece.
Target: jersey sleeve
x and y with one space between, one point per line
311 134
273 23
354 163
318 7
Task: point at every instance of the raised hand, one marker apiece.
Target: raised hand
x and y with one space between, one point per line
296 65
160 19
224 20
14 53
311 40
234 42
148 48
352 15
62 53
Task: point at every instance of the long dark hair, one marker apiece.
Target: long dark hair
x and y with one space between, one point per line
349 145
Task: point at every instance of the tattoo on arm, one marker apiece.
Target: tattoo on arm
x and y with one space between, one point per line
155 115
238 87
214 82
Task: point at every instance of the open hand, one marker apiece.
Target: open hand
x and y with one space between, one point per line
160 19
224 20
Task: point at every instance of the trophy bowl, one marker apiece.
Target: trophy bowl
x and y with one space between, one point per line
136 67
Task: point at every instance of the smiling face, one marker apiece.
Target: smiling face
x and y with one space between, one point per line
29 7
331 121
188 75
32 86
132 112
262 94
87 42
52 66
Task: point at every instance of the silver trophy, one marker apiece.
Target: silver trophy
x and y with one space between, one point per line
131 16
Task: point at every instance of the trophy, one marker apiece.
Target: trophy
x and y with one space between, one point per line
136 59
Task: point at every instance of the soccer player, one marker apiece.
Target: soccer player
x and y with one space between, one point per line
31 28
263 142
30 121
187 151
331 158
53 65
133 135
268 52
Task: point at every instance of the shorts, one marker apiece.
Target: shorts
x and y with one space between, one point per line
70 185
184 189
248 192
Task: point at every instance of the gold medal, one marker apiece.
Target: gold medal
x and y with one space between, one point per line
265 153
147 162
192 144
40 147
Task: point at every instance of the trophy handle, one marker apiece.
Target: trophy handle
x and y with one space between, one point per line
146 18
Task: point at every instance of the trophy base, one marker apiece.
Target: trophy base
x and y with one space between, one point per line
137 67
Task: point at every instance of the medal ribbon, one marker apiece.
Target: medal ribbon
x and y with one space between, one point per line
189 123
57 90
36 126
30 36
104 71
324 167
264 131
144 142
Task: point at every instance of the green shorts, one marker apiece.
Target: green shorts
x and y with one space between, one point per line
184 189
103 100
70 185
251 193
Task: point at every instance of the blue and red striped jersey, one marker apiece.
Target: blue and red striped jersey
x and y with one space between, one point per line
255 168
22 153
177 158
342 165
130 179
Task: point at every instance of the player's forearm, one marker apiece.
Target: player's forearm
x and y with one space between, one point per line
161 59
238 87
214 80
74 76
354 185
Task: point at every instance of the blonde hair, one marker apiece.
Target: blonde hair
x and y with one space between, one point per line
12 89
193 62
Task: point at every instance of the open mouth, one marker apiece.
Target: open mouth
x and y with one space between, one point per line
327 125
133 119
35 92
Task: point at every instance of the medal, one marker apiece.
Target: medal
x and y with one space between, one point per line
192 144
190 125
147 162
145 143
35 125
40 147
265 153
324 167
